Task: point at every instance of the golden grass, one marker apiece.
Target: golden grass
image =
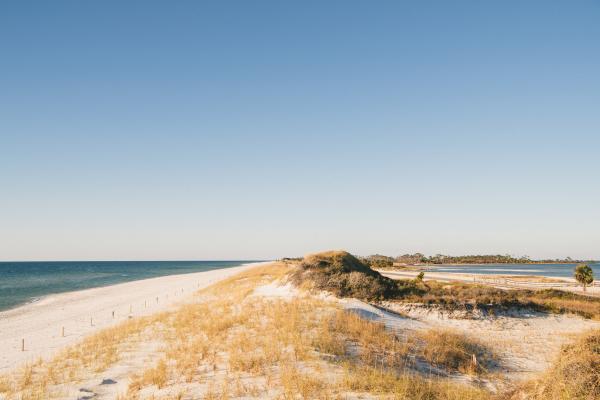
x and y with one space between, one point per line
579 305
231 344
454 351
94 354
347 334
280 345
5 384
390 385
574 375
157 376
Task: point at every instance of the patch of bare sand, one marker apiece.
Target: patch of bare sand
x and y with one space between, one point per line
526 342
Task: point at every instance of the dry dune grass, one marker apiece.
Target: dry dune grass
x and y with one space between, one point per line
94 354
238 345
455 352
348 336
231 344
559 301
575 374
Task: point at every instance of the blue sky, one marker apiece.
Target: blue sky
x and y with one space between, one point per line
197 130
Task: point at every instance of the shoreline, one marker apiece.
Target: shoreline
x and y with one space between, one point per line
86 311
555 271
130 276
496 280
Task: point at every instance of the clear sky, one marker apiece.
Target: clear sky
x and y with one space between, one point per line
254 129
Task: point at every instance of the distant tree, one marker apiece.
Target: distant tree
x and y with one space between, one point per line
420 276
419 258
584 275
378 261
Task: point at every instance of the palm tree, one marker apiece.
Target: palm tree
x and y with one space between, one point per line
584 275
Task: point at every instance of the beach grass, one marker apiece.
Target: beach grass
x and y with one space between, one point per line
299 347
453 351
230 343
574 375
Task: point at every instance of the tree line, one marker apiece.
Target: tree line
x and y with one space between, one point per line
419 258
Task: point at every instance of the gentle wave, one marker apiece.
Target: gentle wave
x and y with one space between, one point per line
28 282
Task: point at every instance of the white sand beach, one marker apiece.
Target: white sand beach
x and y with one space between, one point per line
80 313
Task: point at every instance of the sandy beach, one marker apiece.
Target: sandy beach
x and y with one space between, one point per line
80 313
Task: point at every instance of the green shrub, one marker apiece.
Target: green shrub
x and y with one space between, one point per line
344 275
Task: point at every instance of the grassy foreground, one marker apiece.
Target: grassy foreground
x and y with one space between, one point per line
575 374
232 344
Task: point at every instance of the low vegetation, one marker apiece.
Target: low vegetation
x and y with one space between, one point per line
231 343
346 276
456 352
419 258
96 353
574 375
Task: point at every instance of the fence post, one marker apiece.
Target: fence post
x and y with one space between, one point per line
474 362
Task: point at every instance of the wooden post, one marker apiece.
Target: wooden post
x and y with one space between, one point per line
91 322
22 344
145 304
63 332
156 299
113 314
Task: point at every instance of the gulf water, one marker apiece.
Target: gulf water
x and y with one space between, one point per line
24 282
548 270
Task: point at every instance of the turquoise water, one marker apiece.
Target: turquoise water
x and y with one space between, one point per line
23 282
548 270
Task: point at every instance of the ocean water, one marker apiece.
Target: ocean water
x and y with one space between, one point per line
24 282
548 270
